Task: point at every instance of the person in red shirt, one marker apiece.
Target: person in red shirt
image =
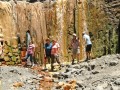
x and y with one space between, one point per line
55 54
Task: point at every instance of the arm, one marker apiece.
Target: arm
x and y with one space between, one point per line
84 40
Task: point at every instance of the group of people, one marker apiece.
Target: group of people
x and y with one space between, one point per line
52 49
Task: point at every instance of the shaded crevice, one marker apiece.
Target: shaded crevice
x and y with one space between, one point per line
119 37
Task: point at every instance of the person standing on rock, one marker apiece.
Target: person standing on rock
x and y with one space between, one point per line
55 54
30 53
48 47
88 45
75 48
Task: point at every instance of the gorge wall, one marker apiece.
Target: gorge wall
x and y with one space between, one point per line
103 20
18 18
60 19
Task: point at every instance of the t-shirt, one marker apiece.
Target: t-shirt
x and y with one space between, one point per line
55 48
87 39
48 48
30 49
75 43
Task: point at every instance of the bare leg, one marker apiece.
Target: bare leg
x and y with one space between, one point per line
73 58
45 62
87 55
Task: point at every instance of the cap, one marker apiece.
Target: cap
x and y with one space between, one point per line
74 34
83 33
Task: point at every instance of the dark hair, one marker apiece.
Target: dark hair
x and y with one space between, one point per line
28 31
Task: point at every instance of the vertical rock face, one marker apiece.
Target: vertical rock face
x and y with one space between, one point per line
103 19
20 17
60 19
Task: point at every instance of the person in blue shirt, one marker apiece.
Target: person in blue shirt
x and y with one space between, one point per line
48 47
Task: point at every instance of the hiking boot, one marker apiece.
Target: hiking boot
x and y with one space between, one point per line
73 62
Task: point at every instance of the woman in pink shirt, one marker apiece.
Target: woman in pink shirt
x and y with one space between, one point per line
54 54
30 53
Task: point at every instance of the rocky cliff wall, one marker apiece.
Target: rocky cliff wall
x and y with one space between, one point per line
103 19
60 19
20 17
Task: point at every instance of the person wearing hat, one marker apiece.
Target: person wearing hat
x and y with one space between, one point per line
75 48
47 47
88 45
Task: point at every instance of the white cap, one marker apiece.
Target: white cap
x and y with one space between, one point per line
74 34
83 33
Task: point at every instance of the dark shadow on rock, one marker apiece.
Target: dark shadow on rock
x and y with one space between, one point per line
118 31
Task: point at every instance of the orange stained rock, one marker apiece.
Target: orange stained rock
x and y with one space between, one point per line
18 84
67 87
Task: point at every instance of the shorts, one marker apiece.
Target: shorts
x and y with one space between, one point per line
88 47
76 51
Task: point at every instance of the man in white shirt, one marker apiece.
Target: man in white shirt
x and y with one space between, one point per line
88 44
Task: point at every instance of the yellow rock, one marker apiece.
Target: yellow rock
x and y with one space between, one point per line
10 63
10 54
13 58
18 84
6 51
6 58
15 50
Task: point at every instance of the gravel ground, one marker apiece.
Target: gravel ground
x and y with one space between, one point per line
97 74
